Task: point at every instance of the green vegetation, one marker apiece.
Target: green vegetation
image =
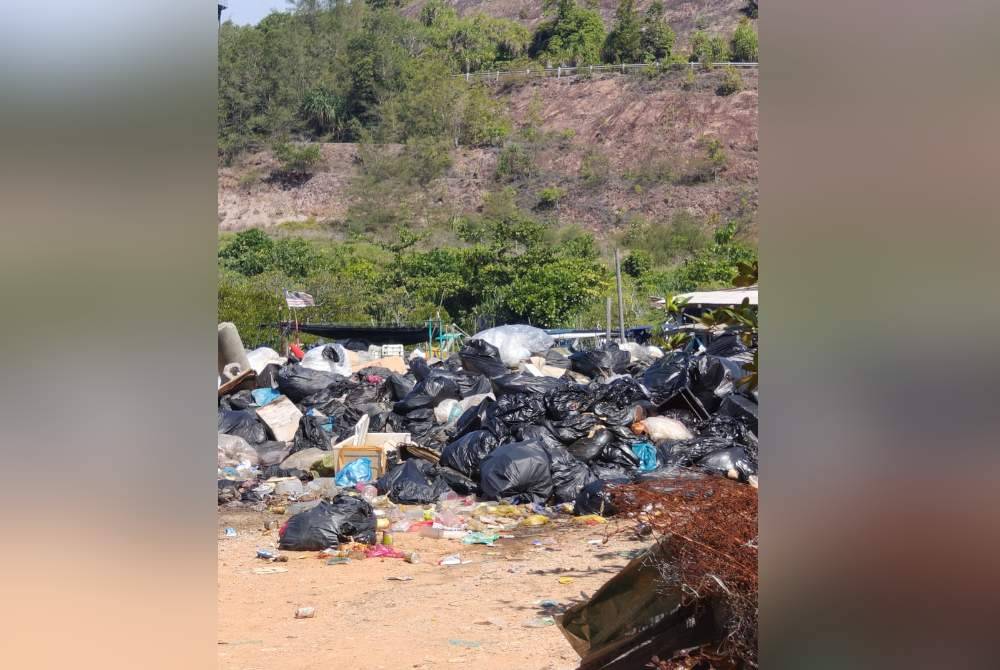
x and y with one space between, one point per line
573 36
732 82
549 197
296 161
404 251
744 43
708 49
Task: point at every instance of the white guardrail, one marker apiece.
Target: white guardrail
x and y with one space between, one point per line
560 72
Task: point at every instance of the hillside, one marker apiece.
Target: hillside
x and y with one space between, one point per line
684 16
618 146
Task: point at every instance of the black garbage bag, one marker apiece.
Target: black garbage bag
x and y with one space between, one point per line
712 378
741 408
727 428
413 482
240 400
483 358
364 393
619 453
373 371
419 368
472 418
685 416
569 475
588 448
602 362
400 385
268 377
557 359
242 423
520 408
571 399
311 434
354 344
528 432
666 377
727 461
465 453
620 403
298 382
595 498
519 382
573 427
418 423
272 453
726 345
472 384
458 482
608 471
428 392
686 452
343 519
517 472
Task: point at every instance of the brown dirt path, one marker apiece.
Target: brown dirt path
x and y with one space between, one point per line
470 615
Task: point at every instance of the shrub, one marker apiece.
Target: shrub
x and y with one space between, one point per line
637 263
483 121
732 82
595 168
249 252
744 43
296 160
689 80
549 197
514 162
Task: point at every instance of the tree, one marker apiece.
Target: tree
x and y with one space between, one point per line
732 82
744 44
624 42
323 110
573 36
249 252
657 36
637 263
708 50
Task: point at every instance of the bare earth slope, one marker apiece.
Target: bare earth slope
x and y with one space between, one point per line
643 129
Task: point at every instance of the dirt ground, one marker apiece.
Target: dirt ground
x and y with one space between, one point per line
470 615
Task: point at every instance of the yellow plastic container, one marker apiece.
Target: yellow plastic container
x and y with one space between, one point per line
535 520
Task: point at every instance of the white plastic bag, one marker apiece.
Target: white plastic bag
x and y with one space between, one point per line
261 357
516 342
234 451
660 428
315 360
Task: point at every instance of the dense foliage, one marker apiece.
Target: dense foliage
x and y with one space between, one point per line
361 72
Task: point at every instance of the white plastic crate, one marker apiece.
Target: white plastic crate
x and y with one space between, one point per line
391 350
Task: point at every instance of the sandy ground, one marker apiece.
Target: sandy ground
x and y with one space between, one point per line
470 615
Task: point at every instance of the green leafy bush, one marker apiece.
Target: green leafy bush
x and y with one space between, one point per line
732 82
514 162
744 43
296 160
550 196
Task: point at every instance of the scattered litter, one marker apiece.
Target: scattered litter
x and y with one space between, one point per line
403 578
339 560
229 532
565 580
481 538
266 554
468 644
540 622
269 570
305 613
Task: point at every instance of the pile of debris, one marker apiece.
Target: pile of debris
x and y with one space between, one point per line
509 418
690 601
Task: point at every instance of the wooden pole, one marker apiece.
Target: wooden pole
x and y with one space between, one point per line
621 300
607 320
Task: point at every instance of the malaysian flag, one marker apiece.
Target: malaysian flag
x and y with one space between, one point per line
299 299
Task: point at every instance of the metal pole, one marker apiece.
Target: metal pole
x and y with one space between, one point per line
621 300
607 320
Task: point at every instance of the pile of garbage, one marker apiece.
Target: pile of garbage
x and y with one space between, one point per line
510 418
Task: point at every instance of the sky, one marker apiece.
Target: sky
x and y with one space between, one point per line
251 11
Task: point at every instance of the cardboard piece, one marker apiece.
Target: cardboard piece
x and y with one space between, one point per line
281 417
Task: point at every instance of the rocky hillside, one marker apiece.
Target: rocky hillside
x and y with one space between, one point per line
684 16
615 146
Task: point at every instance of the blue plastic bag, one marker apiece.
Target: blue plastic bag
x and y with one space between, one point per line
264 396
355 472
646 453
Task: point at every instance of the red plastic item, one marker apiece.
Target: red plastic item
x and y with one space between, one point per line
297 350
417 525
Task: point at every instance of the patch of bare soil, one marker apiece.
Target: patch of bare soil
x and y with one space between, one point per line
471 615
